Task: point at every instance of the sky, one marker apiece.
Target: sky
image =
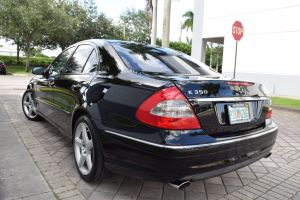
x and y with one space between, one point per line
113 9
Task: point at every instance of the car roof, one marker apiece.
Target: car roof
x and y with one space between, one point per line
99 42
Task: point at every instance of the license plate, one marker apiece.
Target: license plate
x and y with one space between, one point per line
238 113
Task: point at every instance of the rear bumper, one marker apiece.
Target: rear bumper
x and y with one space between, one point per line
168 163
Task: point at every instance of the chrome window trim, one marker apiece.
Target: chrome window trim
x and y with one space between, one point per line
199 146
230 99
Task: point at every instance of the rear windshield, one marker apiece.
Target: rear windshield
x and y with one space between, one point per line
162 60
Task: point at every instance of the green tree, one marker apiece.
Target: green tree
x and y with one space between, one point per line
188 23
217 57
37 52
106 29
137 24
89 24
189 41
11 32
33 22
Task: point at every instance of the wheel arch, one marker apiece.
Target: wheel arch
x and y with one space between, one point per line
76 115
29 86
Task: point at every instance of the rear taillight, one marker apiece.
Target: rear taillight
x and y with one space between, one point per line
240 83
168 109
269 113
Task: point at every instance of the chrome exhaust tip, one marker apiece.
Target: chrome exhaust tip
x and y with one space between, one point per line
180 185
268 155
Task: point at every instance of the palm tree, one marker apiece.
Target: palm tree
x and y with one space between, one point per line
166 24
188 23
151 8
166 20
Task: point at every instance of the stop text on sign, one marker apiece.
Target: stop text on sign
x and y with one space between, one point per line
237 30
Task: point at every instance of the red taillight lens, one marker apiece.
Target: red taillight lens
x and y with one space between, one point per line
168 109
269 114
240 83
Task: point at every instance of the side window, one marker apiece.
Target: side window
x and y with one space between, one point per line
108 64
78 59
91 64
60 61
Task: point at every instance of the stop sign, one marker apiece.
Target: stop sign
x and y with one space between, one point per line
237 30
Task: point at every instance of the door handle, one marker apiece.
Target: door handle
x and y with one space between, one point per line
76 86
51 81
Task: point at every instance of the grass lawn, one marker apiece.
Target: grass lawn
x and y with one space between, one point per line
18 69
292 103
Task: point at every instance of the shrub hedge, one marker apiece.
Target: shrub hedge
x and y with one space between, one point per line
178 46
182 47
12 60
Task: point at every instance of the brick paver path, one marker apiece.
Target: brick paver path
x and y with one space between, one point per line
277 177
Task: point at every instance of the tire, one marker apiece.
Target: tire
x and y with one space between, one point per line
88 151
4 73
29 106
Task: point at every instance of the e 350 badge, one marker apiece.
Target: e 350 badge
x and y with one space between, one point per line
197 92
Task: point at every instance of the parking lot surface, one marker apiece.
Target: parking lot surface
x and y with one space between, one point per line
37 162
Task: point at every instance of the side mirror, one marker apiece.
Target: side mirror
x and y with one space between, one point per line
38 70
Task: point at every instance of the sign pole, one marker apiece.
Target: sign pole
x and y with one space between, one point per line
237 33
236 44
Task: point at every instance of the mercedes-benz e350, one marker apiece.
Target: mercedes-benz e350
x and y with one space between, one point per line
150 112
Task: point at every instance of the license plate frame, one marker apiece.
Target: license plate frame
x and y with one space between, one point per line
238 113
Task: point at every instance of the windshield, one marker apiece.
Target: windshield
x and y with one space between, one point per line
140 57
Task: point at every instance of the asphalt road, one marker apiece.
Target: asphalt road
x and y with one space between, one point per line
14 84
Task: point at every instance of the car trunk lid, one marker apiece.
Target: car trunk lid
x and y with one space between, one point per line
226 107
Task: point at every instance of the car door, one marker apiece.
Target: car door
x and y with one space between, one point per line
69 85
44 84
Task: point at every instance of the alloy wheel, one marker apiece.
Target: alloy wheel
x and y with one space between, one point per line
83 147
29 106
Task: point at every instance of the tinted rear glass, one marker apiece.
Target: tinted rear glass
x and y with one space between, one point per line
155 59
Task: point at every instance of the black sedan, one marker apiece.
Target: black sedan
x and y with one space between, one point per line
2 68
150 112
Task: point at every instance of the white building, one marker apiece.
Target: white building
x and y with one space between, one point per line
269 51
10 51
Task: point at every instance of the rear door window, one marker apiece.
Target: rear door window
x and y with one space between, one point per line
92 63
79 58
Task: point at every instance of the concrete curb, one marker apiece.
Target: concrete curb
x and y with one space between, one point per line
12 74
275 107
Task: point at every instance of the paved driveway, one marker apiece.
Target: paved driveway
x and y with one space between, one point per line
277 177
